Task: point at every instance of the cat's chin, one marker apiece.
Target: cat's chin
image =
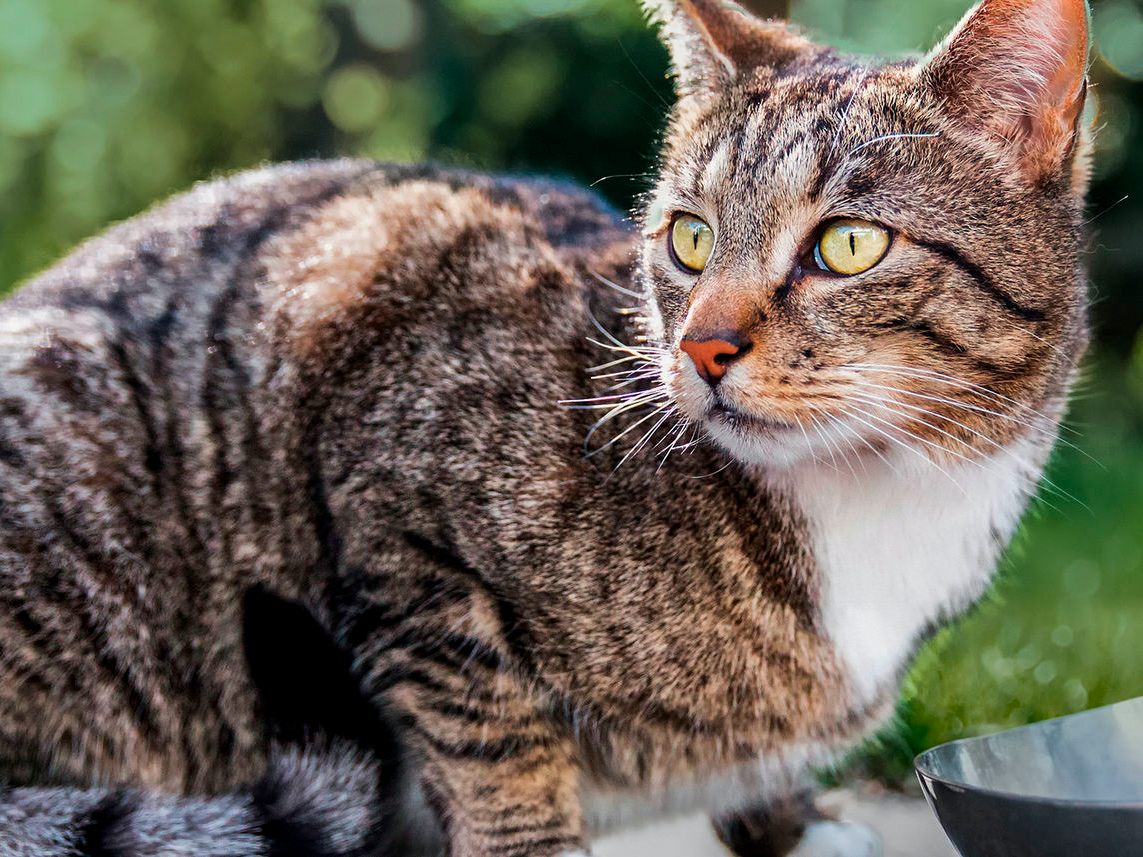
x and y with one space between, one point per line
758 440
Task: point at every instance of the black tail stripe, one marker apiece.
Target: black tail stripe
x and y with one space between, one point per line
95 836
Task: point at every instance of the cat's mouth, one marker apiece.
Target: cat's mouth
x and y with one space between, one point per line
740 421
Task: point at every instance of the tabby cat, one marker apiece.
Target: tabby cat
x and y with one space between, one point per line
357 509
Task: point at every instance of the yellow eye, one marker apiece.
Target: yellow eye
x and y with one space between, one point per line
692 242
851 246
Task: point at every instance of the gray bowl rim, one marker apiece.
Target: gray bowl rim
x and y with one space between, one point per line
920 766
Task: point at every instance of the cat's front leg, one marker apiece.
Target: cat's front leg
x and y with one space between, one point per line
495 767
498 775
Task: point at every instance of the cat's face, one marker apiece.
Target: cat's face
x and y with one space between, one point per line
854 260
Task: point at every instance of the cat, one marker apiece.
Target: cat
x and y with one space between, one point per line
349 508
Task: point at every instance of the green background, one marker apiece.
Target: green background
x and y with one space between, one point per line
108 105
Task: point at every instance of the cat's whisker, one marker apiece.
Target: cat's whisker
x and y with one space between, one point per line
893 406
824 435
609 336
887 405
859 416
645 439
646 370
623 407
669 441
956 403
713 474
1035 336
614 285
627 430
674 440
602 179
612 414
632 379
845 433
836 440
809 443
1115 204
1041 430
929 443
610 399
1000 448
617 362
920 374
865 441
929 375
979 464
641 352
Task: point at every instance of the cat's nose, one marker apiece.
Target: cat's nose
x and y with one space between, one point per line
713 355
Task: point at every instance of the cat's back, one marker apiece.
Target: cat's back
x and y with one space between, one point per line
223 223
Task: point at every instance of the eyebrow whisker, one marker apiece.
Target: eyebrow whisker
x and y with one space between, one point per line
899 136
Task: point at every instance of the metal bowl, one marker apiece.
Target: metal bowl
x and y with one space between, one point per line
1069 787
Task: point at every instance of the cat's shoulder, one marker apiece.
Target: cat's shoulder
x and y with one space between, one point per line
424 242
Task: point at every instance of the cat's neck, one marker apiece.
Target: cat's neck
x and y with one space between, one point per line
902 543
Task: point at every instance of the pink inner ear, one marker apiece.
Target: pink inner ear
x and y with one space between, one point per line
1055 42
1017 67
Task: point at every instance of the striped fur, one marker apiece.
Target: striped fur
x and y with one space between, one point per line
313 540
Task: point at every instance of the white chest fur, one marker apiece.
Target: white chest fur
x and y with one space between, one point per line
899 549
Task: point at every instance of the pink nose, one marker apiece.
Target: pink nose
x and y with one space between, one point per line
712 357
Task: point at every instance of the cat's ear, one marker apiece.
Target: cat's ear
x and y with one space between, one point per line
1017 69
712 42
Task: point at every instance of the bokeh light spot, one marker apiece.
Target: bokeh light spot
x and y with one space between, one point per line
356 97
1062 636
23 30
518 89
388 25
1118 27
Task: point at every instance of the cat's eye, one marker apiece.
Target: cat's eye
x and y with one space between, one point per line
851 246
692 242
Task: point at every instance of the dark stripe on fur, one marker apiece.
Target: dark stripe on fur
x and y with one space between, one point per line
982 279
493 749
515 630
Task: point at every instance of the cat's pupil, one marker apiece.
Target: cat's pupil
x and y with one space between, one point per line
853 243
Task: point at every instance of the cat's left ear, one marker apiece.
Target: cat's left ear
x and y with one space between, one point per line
713 42
1017 69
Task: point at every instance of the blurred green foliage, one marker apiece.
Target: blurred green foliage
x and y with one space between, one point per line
108 105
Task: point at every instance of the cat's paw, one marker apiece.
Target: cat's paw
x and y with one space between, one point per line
838 839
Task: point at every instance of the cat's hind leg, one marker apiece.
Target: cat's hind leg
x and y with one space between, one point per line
794 827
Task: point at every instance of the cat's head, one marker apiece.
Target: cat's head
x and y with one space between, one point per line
844 257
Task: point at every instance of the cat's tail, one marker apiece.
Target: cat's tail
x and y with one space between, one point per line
312 803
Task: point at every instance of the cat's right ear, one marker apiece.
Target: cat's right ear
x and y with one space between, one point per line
713 42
